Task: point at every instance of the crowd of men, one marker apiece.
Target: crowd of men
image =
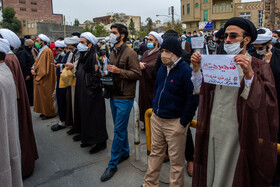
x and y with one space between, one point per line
237 130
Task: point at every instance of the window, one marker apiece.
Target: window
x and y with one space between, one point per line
231 4
32 25
34 10
215 24
246 15
205 1
33 3
188 8
222 24
183 9
260 19
28 25
22 1
24 23
205 15
223 4
22 9
196 5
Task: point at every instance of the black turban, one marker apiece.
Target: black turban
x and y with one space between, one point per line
220 33
244 24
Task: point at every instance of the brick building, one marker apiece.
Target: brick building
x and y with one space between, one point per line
40 10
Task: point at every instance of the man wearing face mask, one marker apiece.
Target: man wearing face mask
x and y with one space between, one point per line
174 106
237 127
147 63
265 51
89 116
275 39
44 77
126 71
26 61
60 92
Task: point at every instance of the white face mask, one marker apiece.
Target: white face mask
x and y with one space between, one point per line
261 52
113 40
274 40
82 47
62 54
233 49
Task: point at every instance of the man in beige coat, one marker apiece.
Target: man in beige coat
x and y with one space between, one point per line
43 71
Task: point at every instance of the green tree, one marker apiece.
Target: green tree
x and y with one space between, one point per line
76 22
100 31
150 24
142 33
131 27
9 20
178 27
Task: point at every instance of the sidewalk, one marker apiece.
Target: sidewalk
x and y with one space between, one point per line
62 163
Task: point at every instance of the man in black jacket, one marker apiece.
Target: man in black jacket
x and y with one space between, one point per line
26 61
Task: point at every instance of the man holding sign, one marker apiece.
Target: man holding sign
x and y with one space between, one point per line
237 126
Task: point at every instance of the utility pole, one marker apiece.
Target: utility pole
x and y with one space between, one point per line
172 13
64 26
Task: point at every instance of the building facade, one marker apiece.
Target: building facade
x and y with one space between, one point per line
41 10
217 12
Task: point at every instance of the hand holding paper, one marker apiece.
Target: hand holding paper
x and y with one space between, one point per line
245 64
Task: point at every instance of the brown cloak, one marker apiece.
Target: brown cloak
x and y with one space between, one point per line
147 84
27 140
44 83
258 125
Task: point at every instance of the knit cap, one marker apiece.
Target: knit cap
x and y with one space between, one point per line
173 45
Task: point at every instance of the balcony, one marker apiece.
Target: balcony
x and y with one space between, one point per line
222 9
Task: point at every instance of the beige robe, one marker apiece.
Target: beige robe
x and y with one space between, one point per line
44 83
10 158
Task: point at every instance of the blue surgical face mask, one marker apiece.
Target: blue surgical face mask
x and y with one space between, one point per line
274 40
139 58
183 40
150 45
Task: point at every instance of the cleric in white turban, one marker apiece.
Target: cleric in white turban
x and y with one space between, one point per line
90 37
157 36
9 35
4 46
60 44
44 38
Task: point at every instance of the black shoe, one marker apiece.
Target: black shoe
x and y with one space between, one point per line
123 158
41 115
98 147
83 145
47 117
77 138
57 127
108 174
70 132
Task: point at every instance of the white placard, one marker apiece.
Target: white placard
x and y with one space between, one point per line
220 70
197 42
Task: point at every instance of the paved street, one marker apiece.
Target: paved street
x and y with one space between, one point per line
63 163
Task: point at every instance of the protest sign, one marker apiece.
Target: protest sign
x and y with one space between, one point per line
197 42
220 70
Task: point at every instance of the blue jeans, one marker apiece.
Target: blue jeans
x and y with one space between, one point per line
120 111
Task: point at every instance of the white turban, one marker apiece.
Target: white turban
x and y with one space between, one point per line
263 38
13 39
60 44
72 40
44 38
183 36
201 33
157 36
4 46
90 37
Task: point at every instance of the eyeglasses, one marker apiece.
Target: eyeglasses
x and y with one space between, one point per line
151 40
260 48
232 36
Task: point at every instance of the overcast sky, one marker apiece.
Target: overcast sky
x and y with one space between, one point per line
88 9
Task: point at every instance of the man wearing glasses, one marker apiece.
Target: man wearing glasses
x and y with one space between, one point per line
237 127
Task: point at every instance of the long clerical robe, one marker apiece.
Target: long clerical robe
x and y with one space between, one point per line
44 83
254 153
10 166
27 140
147 84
